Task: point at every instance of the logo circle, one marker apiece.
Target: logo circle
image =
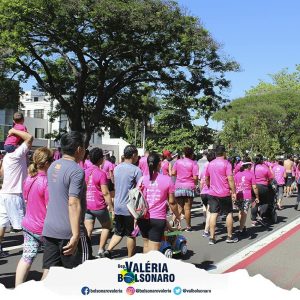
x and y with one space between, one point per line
129 277
177 290
85 290
130 290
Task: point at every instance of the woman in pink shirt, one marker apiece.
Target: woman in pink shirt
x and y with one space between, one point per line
35 191
279 177
98 200
297 178
204 194
263 177
166 167
186 172
158 190
244 182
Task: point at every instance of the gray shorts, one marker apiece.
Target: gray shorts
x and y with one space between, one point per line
243 205
102 215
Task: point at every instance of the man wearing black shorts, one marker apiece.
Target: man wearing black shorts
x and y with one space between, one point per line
126 176
222 193
288 165
66 241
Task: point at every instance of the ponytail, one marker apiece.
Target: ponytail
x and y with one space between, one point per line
33 170
151 169
153 161
40 157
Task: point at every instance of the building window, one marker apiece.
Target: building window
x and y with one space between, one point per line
28 113
35 99
39 113
39 133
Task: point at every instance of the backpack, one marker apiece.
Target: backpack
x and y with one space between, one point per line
137 204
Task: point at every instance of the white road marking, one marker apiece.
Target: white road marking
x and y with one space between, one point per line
13 248
247 251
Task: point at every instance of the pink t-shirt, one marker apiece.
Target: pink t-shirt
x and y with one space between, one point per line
57 155
94 178
279 172
218 170
85 165
36 195
14 139
243 182
165 167
185 169
107 167
156 193
297 174
237 167
205 188
143 165
262 174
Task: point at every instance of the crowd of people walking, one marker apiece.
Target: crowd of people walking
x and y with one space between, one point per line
56 200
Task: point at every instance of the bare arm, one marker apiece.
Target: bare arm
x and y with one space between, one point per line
174 172
232 187
207 180
106 195
74 217
111 175
170 169
25 136
256 193
195 179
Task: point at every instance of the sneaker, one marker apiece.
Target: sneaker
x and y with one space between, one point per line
296 206
261 222
205 234
254 223
231 239
106 254
3 254
189 229
211 241
100 254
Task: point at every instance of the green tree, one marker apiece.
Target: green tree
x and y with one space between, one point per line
9 88
266 122
280 81
173 128
92 54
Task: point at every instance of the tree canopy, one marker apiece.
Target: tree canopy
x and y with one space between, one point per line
173 128
266 123
93 56
9 89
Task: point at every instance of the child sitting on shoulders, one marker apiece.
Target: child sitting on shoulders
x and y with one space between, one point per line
12 141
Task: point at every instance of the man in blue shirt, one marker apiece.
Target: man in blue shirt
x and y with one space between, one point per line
126 176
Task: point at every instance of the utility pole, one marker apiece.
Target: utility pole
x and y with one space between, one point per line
144 136
50 124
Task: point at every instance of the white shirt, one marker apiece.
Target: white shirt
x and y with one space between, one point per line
14 170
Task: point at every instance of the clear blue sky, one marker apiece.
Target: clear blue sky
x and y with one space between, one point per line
263 36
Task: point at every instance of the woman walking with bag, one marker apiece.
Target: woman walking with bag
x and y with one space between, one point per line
158 190
36 197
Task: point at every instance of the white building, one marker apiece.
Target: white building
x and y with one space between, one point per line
36 107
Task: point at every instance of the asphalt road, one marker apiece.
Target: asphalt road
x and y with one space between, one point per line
199 252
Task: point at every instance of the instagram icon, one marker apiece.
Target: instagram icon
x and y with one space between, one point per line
130 290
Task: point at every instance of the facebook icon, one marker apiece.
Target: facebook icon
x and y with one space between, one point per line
85 290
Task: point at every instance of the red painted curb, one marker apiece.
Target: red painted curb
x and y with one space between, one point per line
252 258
